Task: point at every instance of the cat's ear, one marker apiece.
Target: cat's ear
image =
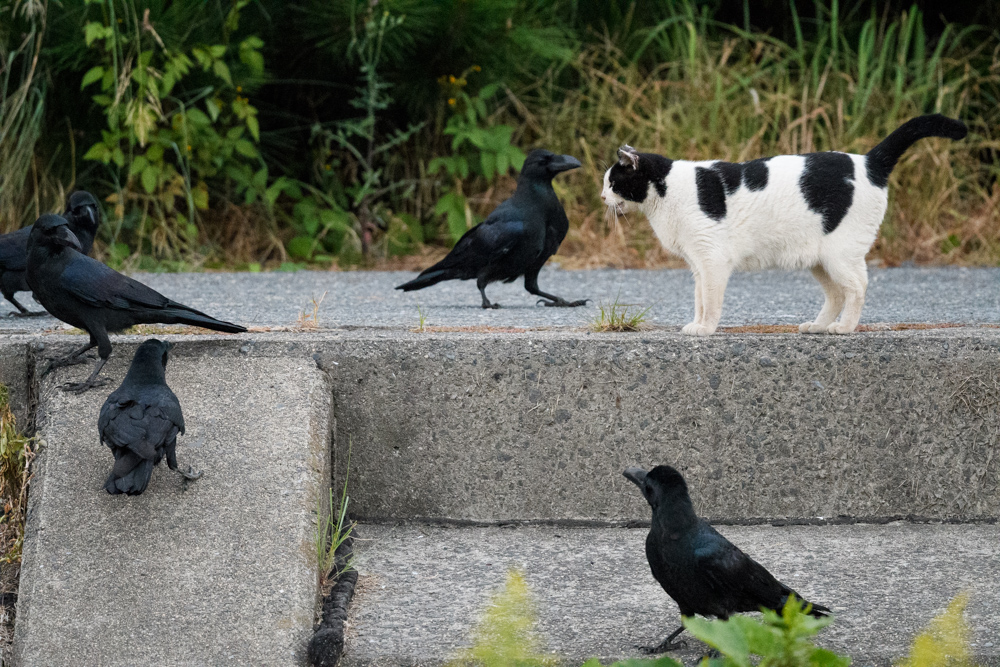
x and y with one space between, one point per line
628 157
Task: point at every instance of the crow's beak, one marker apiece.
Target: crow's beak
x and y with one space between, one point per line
65 237
636 475
92 214
563 163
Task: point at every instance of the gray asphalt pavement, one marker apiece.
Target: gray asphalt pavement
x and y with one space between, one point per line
367 299
422 588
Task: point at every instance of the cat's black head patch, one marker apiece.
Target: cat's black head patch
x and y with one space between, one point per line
631 176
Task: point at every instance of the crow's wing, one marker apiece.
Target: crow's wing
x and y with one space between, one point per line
139 426
14 250
101 286
490 240
731 574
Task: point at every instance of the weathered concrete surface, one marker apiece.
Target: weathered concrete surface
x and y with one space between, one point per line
14 376
368 299
540 425
421 588
218 571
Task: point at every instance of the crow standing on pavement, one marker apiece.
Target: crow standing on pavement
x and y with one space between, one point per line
140 422
91 296
516 239
83 216
700 569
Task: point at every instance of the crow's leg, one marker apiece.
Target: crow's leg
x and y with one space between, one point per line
100 337
190 474
667 644
21 310
531 284
90 382
481 284
71 359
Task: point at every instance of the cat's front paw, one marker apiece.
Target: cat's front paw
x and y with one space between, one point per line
695 329
840 328
812 328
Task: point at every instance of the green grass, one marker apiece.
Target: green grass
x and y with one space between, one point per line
333 528
16 453
619 317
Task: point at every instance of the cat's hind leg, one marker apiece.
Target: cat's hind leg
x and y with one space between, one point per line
832 306
699 309
852 276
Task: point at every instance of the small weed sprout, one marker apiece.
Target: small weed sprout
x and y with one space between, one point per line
309 317
421 320
945 641
619 317
332 530
16 453
506 634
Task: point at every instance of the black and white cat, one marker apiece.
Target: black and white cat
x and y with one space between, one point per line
819 211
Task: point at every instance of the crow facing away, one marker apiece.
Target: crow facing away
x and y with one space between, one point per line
89 295
140 422
699 568
83 215
516 239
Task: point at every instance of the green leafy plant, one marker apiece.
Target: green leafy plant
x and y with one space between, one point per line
780 640
478 149
176 121
16 453
361 137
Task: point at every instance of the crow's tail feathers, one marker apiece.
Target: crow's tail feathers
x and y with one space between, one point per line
175 313
881 159
130 475
431 276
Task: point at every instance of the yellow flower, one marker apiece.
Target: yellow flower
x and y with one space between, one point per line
189 148
477 68
328 167
451 79
451 101
239 89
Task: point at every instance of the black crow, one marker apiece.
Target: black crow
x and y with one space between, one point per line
83 215
516 239
91 296
140 422
700 569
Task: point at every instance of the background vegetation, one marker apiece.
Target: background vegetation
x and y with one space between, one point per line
273 133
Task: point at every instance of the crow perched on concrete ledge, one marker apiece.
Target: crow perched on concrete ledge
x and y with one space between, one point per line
699 568
140 422
87 294
83 215
516 239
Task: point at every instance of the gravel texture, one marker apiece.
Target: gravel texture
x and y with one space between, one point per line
367 299
421 588
220 571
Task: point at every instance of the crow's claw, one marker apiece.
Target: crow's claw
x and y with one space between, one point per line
80 387
18 313
191 474
662 648
562 303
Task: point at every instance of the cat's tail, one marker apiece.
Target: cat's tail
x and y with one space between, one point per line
881 159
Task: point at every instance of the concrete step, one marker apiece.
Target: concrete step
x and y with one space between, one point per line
422 588
538 426
221 571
